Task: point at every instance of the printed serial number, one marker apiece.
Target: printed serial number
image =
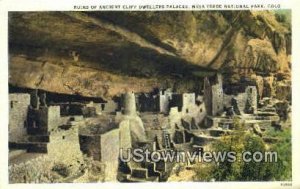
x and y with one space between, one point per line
286 184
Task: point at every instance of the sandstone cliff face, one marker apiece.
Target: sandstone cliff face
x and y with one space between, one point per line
74 79
103 54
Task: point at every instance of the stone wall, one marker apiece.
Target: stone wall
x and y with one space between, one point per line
104 148
251 92
64 147
176 101
156 136
213 95
241 101
174 117
164 101
53 117
109 107
18 109
217 99
201 113
98 108
189 100
227 100
207 96
148 102
109 145
247 98
217 91
190 109
45 119
125 135
129 104
90 145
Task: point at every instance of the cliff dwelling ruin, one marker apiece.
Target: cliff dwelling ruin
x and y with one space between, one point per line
89 84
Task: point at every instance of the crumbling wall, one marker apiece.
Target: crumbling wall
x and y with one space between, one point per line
90 145
217 99
155 135
227 100
64 147
148 102
207 96
196 111
189 100
45 119
109 145
109 107
201 113
89 111
53 117
103 147
213 95
251 92
98 108
164 100
243 100
174 117
18 109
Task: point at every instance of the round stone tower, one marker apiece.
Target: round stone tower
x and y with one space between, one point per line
129 104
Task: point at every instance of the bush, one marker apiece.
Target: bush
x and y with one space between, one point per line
61 169
241 141
280 17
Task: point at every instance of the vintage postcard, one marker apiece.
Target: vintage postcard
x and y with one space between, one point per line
188 94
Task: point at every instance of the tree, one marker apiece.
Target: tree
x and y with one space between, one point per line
254 171
225 170
241 141
280 17
282 169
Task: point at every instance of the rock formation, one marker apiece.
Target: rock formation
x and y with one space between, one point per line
144 50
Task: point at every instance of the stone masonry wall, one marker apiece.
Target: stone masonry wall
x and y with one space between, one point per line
217 99
18 109
189 100
164 101
53 117
109 145
64 147
251 92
